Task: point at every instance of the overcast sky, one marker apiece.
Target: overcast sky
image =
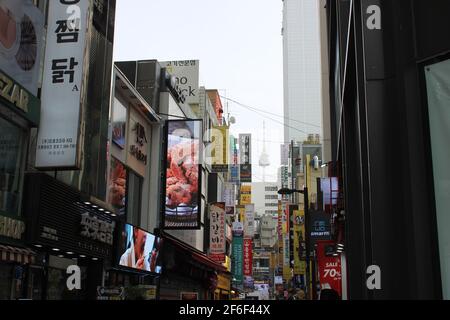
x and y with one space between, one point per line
239 45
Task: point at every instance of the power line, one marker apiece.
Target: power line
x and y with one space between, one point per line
274 120
274 114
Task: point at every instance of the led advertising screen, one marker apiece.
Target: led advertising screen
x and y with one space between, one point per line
117 185
139 249
182 196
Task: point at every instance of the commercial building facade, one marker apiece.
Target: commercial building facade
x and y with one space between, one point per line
19 116
389 107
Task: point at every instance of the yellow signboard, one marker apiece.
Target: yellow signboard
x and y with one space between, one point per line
246 194
220 148
241 211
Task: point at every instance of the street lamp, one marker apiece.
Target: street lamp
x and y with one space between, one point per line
287 191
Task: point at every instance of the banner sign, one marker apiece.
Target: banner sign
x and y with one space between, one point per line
246 194
182 196
229 196
286 242
240 210
237 267
63 86
217 236
248 257
245 151
299 242
220 149
235 174
249 228
329 267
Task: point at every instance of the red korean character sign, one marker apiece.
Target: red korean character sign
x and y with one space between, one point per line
248 257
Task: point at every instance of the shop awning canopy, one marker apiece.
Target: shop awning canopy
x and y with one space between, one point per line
15 254
196 255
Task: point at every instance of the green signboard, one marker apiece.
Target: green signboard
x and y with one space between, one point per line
237 265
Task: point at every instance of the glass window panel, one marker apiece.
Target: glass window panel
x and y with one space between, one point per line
438 86
12 149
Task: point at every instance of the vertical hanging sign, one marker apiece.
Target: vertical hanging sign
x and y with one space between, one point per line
217 232
245 151
248 257
63 87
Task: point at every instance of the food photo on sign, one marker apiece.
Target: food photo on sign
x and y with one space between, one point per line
117 185
182 184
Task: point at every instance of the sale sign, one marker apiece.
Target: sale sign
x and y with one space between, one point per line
248 257
329 267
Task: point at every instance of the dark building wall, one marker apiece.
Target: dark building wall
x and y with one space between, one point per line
381 142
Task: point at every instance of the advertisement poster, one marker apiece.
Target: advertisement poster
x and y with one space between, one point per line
119 121
220 149
249 223
299 243
248 257
329 267
217 241
245 152
139 249
182 180
246 194
21 42
237 267
63 93
117 188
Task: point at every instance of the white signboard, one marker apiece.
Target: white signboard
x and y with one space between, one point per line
63 91
20 54
217 229
249 228
187 74
229 195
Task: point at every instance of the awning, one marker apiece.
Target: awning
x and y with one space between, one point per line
196 255
15 254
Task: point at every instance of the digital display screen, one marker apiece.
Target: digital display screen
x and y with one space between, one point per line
183 175
140 250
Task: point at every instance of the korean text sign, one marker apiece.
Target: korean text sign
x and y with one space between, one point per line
217 231
63 87
237 258
248 257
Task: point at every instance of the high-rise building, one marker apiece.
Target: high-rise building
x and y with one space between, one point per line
302 69
265 198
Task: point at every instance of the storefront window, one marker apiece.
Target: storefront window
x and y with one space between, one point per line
438 87
12 149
